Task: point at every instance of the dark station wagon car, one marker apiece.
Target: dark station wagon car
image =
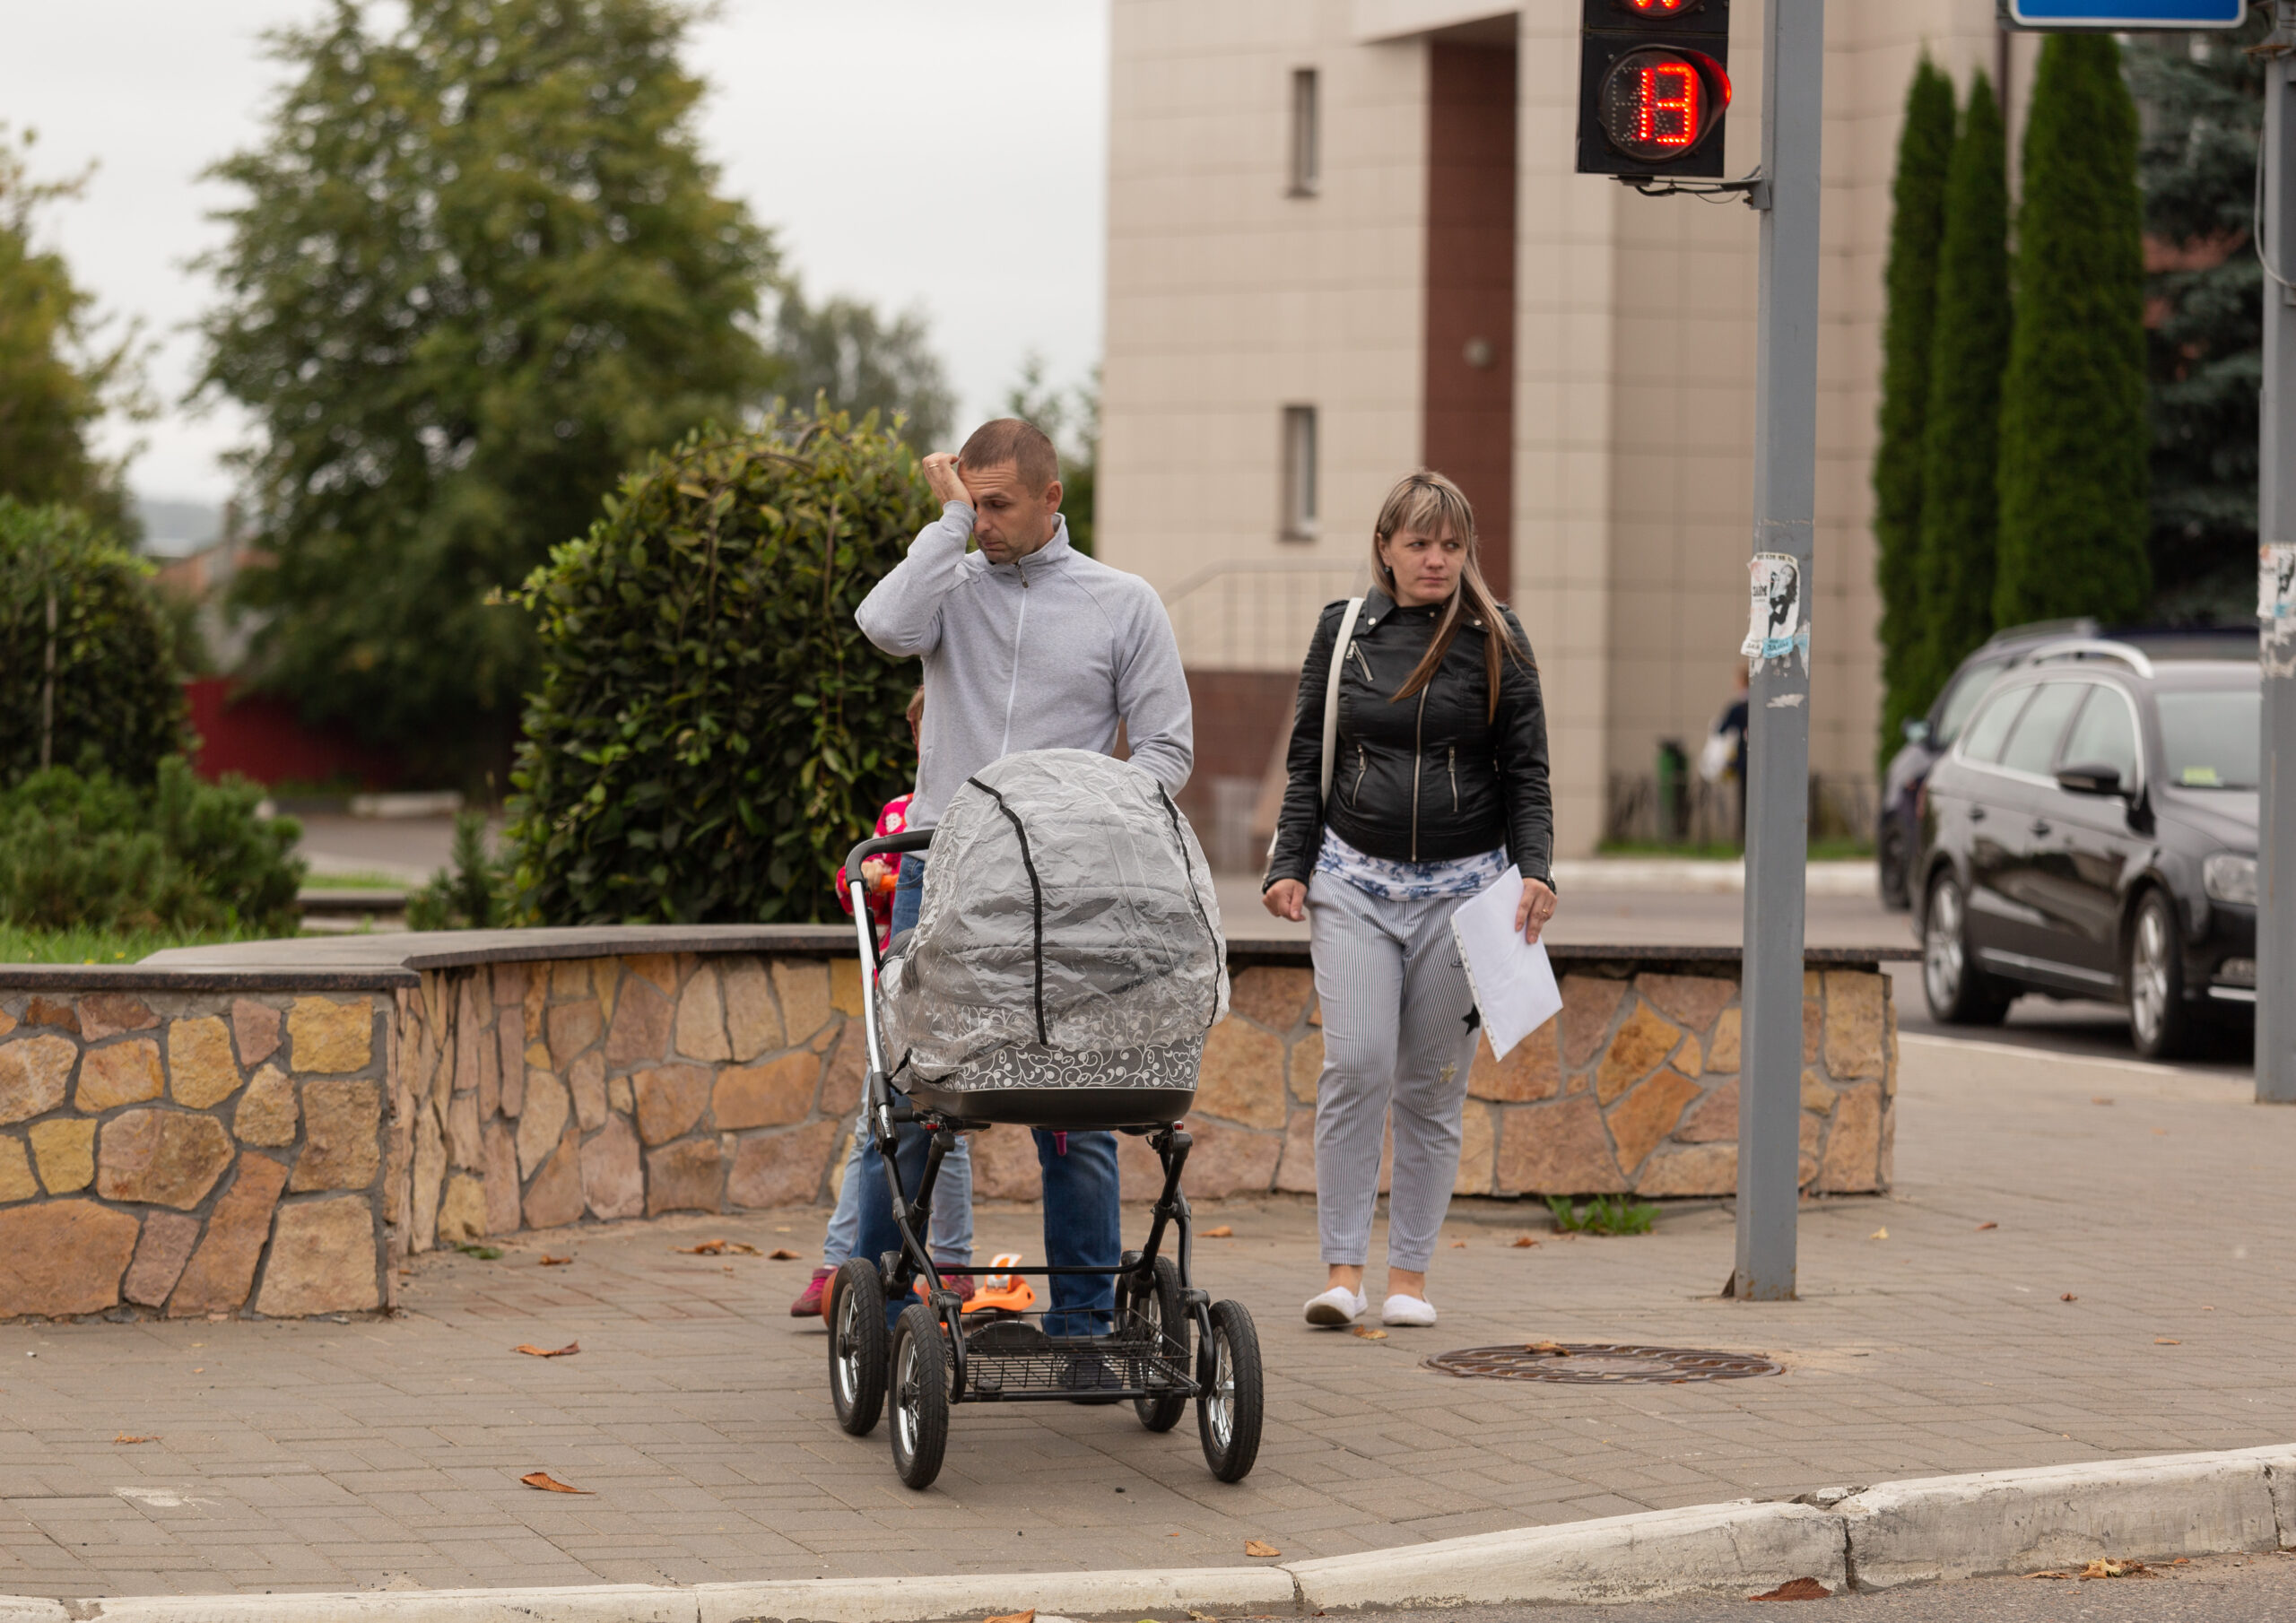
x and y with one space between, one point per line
2092 833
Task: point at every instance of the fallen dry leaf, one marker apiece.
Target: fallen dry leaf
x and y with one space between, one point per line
2049 1575
2068 1297
1981 1227
782 1253
548 1483
2101 1100
1524 1242
1458 1244
1016 1617
2105 1567
2166 1340
1253 1547
1553 1350
128 1437
2187 1560
533 1351
1224 1232
1878 1234
1796 1589
716 1248
1368 1334
555 1262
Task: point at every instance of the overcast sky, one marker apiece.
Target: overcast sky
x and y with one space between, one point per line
913 151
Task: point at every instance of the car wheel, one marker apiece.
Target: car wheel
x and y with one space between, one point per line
1894 859
1960 993
2158 1017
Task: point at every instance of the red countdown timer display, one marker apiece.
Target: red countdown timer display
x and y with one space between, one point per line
1656 8
1654 84
1656 104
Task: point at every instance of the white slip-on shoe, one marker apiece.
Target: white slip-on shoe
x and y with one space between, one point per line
1408 1310
1336 1307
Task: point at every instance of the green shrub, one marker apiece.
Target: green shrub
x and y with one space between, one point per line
471 892
93 852
713 734
115 693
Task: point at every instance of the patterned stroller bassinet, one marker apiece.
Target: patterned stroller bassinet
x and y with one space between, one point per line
1067 961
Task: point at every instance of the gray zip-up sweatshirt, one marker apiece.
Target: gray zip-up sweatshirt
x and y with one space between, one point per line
1050 651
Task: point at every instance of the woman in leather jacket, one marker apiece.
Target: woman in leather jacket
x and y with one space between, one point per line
1438 790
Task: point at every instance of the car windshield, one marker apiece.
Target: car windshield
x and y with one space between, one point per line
2211 738
1962 698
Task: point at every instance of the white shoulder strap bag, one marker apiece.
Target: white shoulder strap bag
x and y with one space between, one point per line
1331 690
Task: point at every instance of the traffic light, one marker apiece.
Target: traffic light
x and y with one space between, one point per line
1653 86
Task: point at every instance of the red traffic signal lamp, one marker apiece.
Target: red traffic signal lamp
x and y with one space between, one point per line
1654 84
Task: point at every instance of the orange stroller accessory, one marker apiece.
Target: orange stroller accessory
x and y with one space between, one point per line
1003 1292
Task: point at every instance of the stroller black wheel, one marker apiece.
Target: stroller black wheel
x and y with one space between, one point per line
856 1346
920 1396
1159 1303
1227 1412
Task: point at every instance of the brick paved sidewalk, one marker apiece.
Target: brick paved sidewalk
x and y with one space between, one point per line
388 1453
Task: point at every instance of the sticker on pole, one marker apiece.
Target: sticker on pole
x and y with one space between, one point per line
1774 625
2277 584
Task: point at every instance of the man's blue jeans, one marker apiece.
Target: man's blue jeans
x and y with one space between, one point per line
1083 1219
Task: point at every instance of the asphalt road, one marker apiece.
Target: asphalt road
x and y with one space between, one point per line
2224 1589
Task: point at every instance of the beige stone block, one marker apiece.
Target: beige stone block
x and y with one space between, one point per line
544 1119
1713 1118
1557 1148
50 1012
323 1260
462 1209
1005 1166
847 1069
671 1099
1816 1094
1814 1025
639 1031
784 1168
510 984
429 1178
613 1185
686 1177
1812 1139
536 1002
1304 1065
159 1257
7 1022
1478 1145
1295 1173
330 1039
510 1060
1589 1003
104 1014
1890 1077
502 1209
62 1257
1856 1028
1691 1000
802 985
162 1157
65 1152
201 1070
702 1018
222 1269
1852 1163
1274 997
775 1093
753 1019
1242 1077
658 969
257 1027
489 1057
555 1197
1689 1169
16 1180
845 986
1641 1120
1722 1053
121 1074
620 1096
1532 1070
586 1083
341 1136
465 1143
1231 1160
570 977
267 1113
1641 1046
34 1072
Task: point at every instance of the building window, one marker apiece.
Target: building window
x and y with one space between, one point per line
1300 472
1307 134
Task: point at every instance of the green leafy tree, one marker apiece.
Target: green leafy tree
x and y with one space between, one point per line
88 668
2074 436
1910 291
480 266
712 733
2203 99
58 374
844 351
1962 444
1071 419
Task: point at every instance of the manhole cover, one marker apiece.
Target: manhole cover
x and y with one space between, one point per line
1601 1364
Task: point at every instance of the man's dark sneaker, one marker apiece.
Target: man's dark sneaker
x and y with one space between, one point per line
808 1304
1092 1381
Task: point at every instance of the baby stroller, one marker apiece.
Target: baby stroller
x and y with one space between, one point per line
1063 974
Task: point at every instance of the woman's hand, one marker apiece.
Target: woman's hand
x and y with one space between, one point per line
1533 910
1288 898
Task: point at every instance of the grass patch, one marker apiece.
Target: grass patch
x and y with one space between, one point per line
1604 1214
358 882
22 944
1834 848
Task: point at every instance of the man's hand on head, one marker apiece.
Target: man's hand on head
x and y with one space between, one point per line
941 475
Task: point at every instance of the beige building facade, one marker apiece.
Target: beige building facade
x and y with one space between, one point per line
1345 240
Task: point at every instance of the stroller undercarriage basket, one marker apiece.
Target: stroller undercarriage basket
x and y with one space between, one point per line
1029 1084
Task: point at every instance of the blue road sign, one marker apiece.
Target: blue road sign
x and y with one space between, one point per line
2125 16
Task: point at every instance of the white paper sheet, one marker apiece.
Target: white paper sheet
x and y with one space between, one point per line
1512 981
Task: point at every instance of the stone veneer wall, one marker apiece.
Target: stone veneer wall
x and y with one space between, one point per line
193 1153
273 1152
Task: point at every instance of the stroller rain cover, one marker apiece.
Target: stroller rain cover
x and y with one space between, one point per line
1068 913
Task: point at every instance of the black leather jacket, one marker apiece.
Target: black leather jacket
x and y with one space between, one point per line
1429 779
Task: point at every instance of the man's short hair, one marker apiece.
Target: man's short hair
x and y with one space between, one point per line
1021 443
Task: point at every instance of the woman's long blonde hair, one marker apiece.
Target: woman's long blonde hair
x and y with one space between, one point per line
1427 504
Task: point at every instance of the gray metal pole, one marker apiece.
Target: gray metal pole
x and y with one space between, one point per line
1777 765
2277 522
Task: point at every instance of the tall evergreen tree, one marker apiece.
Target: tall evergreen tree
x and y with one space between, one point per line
1962 450
2073 435
1917 225
2203 98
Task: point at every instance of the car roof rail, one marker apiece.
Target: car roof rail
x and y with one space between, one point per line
2093 647
2077 625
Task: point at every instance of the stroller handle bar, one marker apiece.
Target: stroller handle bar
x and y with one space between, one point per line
889 845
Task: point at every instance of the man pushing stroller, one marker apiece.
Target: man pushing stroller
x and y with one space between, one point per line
1027 644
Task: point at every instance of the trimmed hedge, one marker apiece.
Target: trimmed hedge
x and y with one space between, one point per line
712 733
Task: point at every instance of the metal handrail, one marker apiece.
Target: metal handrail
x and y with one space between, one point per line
2093 648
